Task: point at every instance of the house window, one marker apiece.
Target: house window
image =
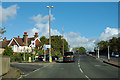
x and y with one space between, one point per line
15 48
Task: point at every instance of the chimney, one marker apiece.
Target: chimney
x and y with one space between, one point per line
25 38
36 35
4 39
18 36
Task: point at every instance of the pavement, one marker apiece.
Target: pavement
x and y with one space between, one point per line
113 61
12 73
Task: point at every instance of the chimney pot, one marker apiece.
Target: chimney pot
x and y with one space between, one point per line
25 38
4 39
36 35
18 36
25 33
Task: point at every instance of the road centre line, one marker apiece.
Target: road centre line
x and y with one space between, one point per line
87 77
81 70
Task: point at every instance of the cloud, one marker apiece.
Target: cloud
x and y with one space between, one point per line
39 19
74 39
42 26
108 34
8 12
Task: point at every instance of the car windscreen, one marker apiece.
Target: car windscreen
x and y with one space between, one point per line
116 53
68 53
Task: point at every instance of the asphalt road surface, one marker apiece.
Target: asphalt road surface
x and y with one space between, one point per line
84 67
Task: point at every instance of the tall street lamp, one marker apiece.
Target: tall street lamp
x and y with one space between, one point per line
108 52
50 58
98 52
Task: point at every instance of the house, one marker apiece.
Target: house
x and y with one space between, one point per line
20 45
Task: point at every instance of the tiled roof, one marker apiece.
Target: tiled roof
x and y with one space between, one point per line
19 41
30 39
4 44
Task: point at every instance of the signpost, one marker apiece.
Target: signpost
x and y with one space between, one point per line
33 46
45 48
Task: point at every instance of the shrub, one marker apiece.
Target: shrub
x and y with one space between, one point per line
16 57
8 51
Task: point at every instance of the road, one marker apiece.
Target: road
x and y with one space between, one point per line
84 67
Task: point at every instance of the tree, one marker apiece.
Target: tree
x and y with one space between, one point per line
2 31
118 44
113 44
56 43
43 39
8 51
82 49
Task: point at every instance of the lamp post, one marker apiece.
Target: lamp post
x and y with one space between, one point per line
98 52
24 53
108 52
50 58
63 39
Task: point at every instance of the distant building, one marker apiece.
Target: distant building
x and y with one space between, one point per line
21 44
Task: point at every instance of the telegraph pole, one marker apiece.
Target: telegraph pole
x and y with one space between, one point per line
50 57
63 39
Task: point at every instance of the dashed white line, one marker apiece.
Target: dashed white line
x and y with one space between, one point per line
87 77
81 70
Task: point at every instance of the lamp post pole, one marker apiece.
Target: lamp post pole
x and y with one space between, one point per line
24 53
50 58
63 39
108 52
98 52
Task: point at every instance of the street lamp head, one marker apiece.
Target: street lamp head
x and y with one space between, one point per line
47 6
51 6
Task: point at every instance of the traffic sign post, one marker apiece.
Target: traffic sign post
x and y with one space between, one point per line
49 47
45 53
33 46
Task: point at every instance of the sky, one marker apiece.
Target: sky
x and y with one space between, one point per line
85 23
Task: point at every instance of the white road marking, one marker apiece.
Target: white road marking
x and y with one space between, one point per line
87 77
81 70
79 66
32 72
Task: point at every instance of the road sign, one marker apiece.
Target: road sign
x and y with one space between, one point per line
33 44
47 46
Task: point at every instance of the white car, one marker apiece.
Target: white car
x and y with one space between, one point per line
115 54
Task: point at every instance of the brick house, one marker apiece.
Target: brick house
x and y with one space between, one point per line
21 44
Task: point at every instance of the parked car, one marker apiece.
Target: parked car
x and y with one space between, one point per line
55 57
41 57
115 54
68 56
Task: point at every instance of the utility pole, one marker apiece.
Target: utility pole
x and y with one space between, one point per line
63 39
98 52
24 53
50 57
108 52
